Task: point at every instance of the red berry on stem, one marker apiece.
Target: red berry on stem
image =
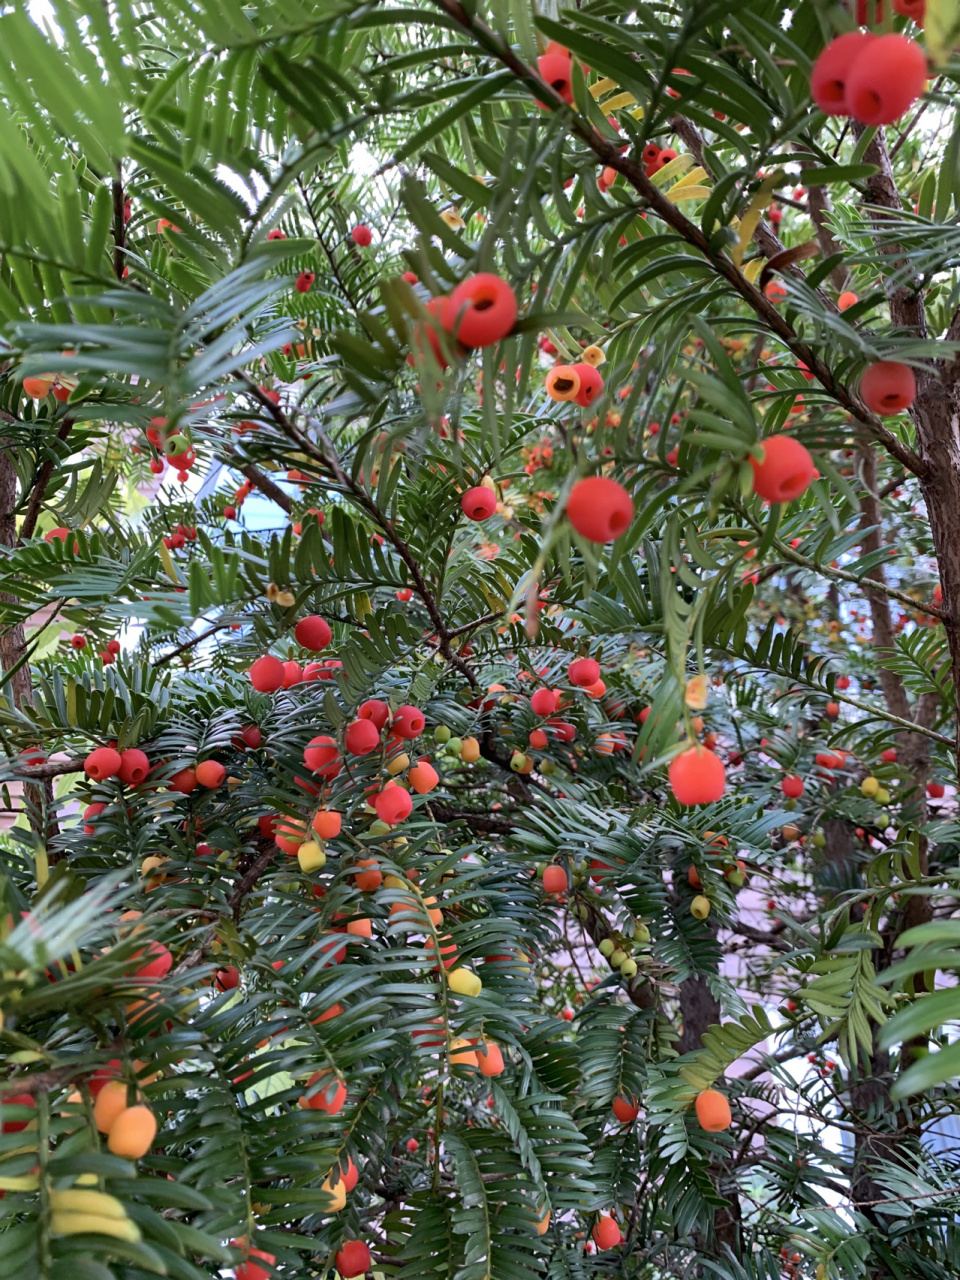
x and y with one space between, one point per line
591 386
557 70
479 503
362 737
266 674
599 509
888 387
480 311
102 763
313 633
583 672
134 766
786 471
697 776
885 80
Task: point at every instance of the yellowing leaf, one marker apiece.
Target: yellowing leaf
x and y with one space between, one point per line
753 269
678 193
694 177
750 220
602 87
619 102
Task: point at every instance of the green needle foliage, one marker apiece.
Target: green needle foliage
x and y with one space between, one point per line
229 403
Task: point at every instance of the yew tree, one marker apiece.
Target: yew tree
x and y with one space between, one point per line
480 639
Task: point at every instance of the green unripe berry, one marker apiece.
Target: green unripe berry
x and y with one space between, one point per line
869 787
547 767
380 828
441 734
454 746
606 947
629 968
641 934
883 796
883 818
541 868
618 958
175 446
518 762
735 877
790 804
819 840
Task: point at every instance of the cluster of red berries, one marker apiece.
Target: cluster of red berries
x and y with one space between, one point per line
173 445
182 534
874 79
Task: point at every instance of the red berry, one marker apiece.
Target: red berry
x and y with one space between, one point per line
557 70
888 387
786 471
544 701
252 736
313 633
885 80
480 311
266 674
832 69
353 1259
304 282
276 234
408 722
599 509
362 737
210 773
375 710
606 1233
393 804
361 235
626 1109
697 776
591 388
321 755
101 764
134 766
411 278
935 790
184 781
555 880
478 503
583 672
792 786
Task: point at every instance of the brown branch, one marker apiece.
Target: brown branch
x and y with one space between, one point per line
267 487
52 769
119 228
42 479
326 456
